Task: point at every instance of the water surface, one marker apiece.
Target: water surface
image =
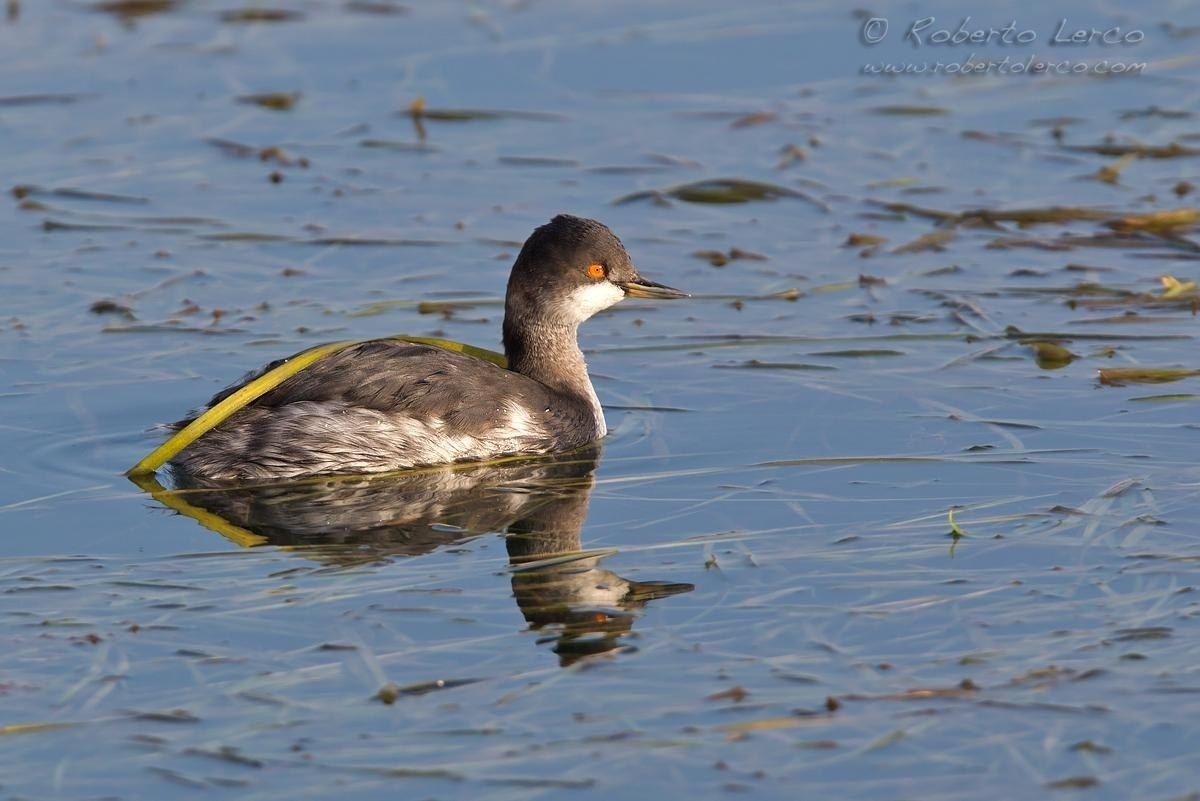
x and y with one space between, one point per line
754 587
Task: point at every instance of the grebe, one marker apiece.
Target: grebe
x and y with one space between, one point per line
386 405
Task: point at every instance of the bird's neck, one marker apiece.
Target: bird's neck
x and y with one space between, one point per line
549 354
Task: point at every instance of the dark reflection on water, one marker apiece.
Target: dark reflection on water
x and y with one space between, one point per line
539 504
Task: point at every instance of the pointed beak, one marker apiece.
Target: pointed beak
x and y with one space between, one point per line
640 287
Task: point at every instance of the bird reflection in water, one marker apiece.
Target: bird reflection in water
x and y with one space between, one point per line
539 504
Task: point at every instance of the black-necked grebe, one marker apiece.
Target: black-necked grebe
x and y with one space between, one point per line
386 405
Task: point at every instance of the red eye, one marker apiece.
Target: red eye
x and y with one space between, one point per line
596 271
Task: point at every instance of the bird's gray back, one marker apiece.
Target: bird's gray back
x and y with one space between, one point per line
386 405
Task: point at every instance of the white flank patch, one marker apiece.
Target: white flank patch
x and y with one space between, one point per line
520 423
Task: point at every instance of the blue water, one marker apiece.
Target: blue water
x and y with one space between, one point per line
768 525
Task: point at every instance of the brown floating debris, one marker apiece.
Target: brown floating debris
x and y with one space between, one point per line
918 211
720 190
226 753
418 109
419 112
1073 783
719 259
1173 287
756 364
736 254
1000 138
22 191
1028 216
1111 173
1009 242
275 101
909 111
756 118
1120 376
376 7
111 307
131 9
42 99
789 155
1034 216
1050 355
964 688
390 692
538 161
260 15
1156 111
735 694
1172 151
165 716
934 240
863 240
269 153
231 148
281 156
397 145
1157 221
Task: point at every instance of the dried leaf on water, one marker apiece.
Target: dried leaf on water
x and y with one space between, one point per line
1157 221
1173 287
397 145
789 155
736 694
275 101
391 692
132 9
42 99
269 153
773 724
1156 111
863 240
418 110
1120 376
241 15
1171 151
1036 215
32 728
381 7
755 118
718 258
1073 783
909 111
860 353
112 307
1167 397
757 364
1111 173
934 240
1051 355
1027 216
22 191
538 161
955 530
964 688
720 190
